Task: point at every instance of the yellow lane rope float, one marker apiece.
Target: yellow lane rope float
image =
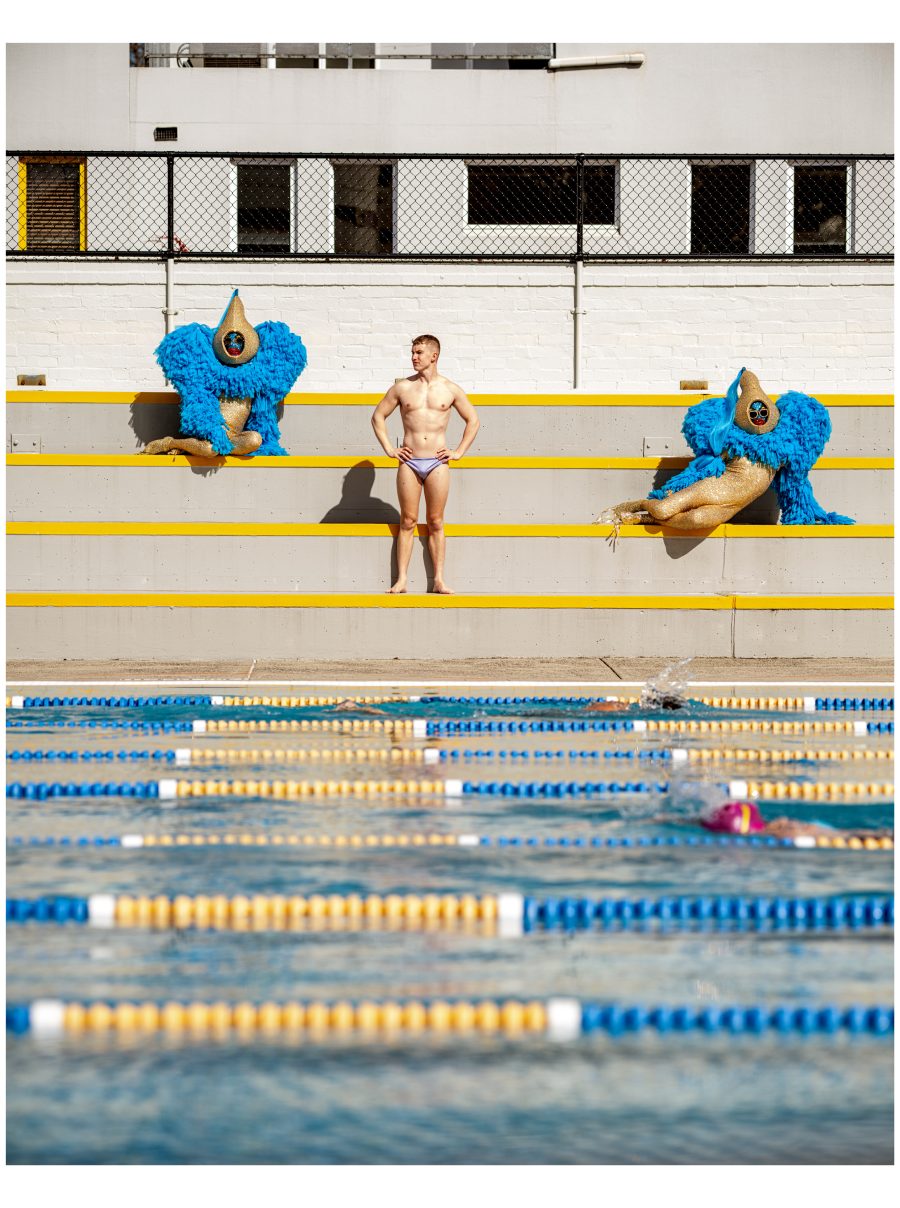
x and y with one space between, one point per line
826 791
763 755
295 912
510 1017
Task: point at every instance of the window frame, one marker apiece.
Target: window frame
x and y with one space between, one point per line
536 229
391 161
263 161
712 161
24 162
850 212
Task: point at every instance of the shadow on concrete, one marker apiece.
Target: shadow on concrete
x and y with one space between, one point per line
357 504
150 420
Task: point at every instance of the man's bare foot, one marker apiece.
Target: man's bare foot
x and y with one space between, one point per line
441 589
399 589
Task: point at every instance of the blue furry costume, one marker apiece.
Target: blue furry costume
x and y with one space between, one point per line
791 449
187 359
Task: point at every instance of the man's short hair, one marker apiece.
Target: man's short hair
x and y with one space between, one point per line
432 340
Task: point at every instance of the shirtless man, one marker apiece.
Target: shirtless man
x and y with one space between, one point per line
425 400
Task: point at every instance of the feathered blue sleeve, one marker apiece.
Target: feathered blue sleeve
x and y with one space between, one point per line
283 358
698 423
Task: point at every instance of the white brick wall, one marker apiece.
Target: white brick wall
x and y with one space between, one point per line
503 327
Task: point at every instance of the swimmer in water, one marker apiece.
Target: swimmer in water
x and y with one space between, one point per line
353 706
744 818
666 701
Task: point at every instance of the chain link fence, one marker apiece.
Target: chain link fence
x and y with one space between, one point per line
448 207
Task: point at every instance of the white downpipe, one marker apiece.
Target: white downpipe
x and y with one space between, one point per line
170 281
577 312
635 60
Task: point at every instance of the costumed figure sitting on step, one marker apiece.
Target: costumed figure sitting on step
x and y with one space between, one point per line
743 443
231 381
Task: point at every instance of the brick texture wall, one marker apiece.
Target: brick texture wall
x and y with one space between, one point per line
93 326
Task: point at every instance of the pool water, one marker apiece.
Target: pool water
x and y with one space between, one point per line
633 1098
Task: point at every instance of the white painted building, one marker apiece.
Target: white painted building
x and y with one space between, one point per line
818 324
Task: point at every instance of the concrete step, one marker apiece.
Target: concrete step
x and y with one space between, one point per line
183 627
551 560
516 425
349 490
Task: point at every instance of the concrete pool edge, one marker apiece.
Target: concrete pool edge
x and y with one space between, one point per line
556 671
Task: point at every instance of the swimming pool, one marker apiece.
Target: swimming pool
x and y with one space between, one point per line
609 822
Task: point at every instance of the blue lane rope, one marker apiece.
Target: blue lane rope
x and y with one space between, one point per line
585 913
433 728
113 702
438 729
138 727
562 842
63 756
43 791
836 703
587 1018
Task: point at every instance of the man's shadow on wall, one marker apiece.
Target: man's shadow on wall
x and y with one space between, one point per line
359 506
151 420
764 510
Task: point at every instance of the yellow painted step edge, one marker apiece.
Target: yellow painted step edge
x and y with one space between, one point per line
158 528
49 599
363 399
318 462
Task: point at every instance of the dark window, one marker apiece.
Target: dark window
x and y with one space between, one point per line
820 211
302 54
231 54
539 55
540 194
137 54
263 208
350 54
54 206
363 209
720 209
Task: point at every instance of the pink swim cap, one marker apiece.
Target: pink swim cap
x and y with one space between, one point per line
735 818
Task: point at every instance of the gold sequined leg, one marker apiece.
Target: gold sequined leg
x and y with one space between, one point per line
708 517
245 442
181 444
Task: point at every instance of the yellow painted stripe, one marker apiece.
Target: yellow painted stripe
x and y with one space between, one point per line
82 206
23 206
319 399
167 462
156 528
137 599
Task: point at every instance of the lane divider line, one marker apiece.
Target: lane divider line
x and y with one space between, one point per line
560 1020
171 789
512 914
403 842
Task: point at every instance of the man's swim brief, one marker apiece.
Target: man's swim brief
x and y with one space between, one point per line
422 466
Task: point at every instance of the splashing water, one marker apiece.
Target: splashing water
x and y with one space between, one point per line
667 689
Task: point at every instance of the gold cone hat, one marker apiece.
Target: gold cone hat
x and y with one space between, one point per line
755 411
235 342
